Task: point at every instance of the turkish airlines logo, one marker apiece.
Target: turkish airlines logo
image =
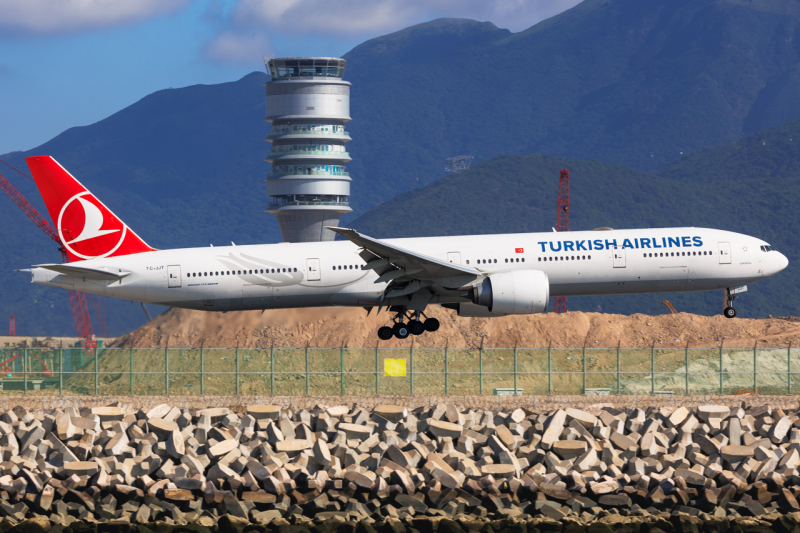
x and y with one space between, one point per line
519 250
88 229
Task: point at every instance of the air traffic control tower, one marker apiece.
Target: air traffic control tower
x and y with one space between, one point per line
308 103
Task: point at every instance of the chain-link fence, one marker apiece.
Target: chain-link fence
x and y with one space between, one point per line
396 371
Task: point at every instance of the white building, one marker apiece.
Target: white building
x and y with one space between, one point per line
308 103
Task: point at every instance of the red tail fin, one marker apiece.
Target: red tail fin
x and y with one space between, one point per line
87 228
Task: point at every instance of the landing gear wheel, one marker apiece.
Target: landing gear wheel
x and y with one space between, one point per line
431 324
385 333
400 330
729 312
416 327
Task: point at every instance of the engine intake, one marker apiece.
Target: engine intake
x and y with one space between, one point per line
521 292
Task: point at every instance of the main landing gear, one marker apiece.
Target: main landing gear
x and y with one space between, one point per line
729 311
402 330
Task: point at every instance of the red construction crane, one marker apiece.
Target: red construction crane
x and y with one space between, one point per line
12 327
80 310
562 224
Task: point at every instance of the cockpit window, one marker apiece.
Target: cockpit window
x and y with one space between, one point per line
767 248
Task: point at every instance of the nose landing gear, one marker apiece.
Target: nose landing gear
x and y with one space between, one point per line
415 326
729 311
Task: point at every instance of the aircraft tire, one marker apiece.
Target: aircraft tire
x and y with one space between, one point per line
385 333
416 327
431 324
729 312
401 331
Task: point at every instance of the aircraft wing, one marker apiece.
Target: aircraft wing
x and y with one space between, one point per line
83 272
395 263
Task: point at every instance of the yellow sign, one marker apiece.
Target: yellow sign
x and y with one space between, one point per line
394 367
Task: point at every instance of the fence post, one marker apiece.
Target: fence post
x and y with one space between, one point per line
653 368
166 369
272 370
130 356
61 371
789 368
96 370
237 368
755 367
584 367
721 374
446 370
412 367
550 368
202 369
686 366
377 371
341 367
25 370
619 381
480 367
515 368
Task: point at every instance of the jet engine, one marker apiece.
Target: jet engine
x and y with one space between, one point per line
520 292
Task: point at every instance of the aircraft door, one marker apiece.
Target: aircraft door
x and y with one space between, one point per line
619 258
724 253
454 257
174 276
312 270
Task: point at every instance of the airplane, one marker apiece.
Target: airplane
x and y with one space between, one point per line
476 275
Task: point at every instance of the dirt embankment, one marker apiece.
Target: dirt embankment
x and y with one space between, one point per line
333 327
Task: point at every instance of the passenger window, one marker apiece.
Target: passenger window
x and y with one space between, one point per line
295 270
467 261
540 259
284 270
589 256
523 259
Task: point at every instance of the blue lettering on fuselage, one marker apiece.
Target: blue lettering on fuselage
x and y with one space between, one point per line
608 244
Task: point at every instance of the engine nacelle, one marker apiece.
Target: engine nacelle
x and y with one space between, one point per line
520 292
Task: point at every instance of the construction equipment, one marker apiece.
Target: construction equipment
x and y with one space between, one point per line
562 224
80 310
12 327
671 307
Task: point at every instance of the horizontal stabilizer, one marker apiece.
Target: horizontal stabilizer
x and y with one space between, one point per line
83 272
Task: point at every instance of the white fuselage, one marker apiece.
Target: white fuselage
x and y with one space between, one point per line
320 274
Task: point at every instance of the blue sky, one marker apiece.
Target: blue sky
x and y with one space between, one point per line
66 63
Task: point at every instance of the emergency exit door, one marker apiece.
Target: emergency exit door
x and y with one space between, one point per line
174 276
312 270
724 253
619 258
454 257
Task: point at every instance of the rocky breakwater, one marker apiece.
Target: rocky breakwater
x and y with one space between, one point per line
394 470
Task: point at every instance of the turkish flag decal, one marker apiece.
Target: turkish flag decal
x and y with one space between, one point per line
519 250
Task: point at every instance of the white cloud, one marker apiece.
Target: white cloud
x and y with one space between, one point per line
253 20
349 17
64 16
238 47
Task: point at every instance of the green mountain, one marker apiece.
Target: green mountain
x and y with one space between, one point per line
623 81
751 186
